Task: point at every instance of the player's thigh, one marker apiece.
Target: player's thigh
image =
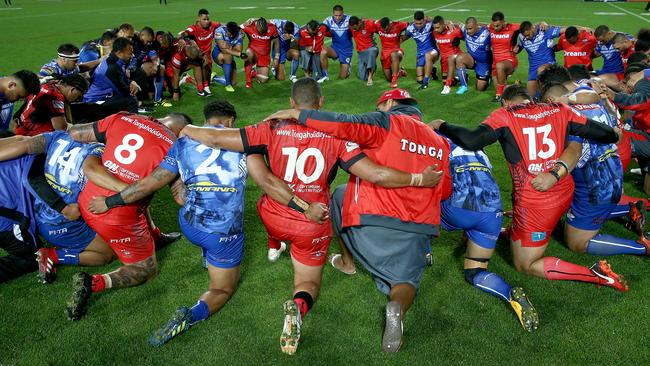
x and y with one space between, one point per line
293 54
330 52
477 256
431 56
131 241
306 273
224 279
505 66
524 256
221 250
99 245
252 56
397 55
577 239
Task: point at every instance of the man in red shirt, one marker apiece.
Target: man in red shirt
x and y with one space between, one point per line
135 146
46 111
503 37
363 31
261 37
534 141
307 160
187 54
387 230
202 32
578 47
311 41
448 41
624 46
390 35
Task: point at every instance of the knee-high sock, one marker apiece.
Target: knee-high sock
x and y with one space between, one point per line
248 69
158 88
493 284
462 75
294 67
200 311
556 269
603 244
227 73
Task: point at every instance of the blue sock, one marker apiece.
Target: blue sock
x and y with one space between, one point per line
227 72
603 244
220 80
492 284
294 67
200 311
462 75
324 73
67 258
619 211
158 88
425 81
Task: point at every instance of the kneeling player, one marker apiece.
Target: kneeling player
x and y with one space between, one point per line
478 56
448 41
391 54
288 32
228 47
188 55
503 37
338 25
312 39
427 53
261 37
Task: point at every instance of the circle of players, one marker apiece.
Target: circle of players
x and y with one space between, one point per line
89 164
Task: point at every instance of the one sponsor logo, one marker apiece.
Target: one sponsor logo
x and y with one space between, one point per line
121 241
388 35
227 239
500 36
320 240
111 166
261 37
58 231
349 146
538 236
575 53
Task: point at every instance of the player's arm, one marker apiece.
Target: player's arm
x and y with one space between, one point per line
60 123
639 96
222 138
386 177
90 65
84 132
99 175
17 146
595 131
563 167
40 188
178 191
472 140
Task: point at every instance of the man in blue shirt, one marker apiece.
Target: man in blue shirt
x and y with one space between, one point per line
227 47
96 49
539 44
289 50
339 26
613 69
421 30
13 88
66 63
478 56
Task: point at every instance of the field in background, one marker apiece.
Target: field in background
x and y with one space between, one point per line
450 322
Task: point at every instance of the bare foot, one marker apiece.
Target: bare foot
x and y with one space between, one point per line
336 260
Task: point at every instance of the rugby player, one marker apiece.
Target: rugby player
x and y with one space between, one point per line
202 32
363 31
66 63
338 25
448 41
390 35
613 69
14 87
478 56
97 49
577 46
538 43
421 30
261 37
187 55
311 42
624 46
227 47
503 37
289 33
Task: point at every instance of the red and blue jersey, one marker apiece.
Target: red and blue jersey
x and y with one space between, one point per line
540 48
423 37
612 59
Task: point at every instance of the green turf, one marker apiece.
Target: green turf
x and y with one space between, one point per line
450 322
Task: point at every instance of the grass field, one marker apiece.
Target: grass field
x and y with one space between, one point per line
450 322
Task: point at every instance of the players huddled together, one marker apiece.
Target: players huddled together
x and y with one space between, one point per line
79 173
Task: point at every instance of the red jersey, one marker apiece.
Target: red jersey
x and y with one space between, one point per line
203 36
135 146
579 53
260 43
536 135
502 42
304 158
398 140
446 39
625 55
390 40
39 110
364 38
316 41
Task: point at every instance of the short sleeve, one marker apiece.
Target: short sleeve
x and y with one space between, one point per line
572 115
496 119
96 150
575 138
56 106
218 35
190 29
553 32
560 43
101 127
46 70
255 138
170 162
349 154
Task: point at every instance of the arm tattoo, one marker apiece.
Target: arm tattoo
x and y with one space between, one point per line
36 145
179 191
83 132
148 185
134 274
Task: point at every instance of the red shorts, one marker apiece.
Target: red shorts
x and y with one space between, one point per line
385 57
444 63
309 242
533 226
263 59
169 70
514 61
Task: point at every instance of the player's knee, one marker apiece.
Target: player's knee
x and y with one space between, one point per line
501 67
522 265
470 273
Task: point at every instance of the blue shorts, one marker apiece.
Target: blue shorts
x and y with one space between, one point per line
72 235
283 53
532 70
483 70
345 56
420 58
221 250
483 228
215 53
586 216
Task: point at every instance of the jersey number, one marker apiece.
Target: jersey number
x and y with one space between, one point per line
66 160
532 133
126 153
208 166
296 164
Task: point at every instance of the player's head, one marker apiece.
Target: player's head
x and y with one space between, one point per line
633 74
514 94
165 40
384 23
642 45
176 121
355 23
553 92
337 13
637 57
571 34
123 49
107 38
312 27
262 25
602 34
471 26
498 21
553 74
73 87
126 30
233 29
146 36
418 19
219 112
68 55
578 72
527 30
393 98
621 42
192 51
19 85
439 24
203 18
306 94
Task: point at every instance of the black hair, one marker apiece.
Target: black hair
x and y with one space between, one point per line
107 36
76 81
554 74
354 20
438 19
168 38
125 27
418 15
637 57
633 69
571 32
553 88
148 30
470 19
306 92
289 27
601 30
68 49
29 80
219 108
203 12
121 43
181 118
642 45
261 22
515 91
384 22
497 16
578 72
644 34
619 37
525 25
337 8
313 25
232 28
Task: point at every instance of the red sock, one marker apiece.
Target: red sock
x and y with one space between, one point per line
51 253
199 87
556 269
625 200
155 233
274 244
394 78
99 283
247 71
500 88
206 84
304 301
302 306
448 82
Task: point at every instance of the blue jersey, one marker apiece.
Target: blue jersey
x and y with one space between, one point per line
473 187
479 45
221 34
612 59
540 48
423 37
341 35
15 193
6 111
53 69
215 181
284 43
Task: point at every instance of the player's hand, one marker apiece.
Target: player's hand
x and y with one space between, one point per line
243 55
431 176
287 36
317 212
98 205
619 132
285 114
71 212
436 123
543 182
134 88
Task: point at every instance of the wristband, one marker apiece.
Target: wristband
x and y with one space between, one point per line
114 200
298 204
555 175
416 179
565 165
